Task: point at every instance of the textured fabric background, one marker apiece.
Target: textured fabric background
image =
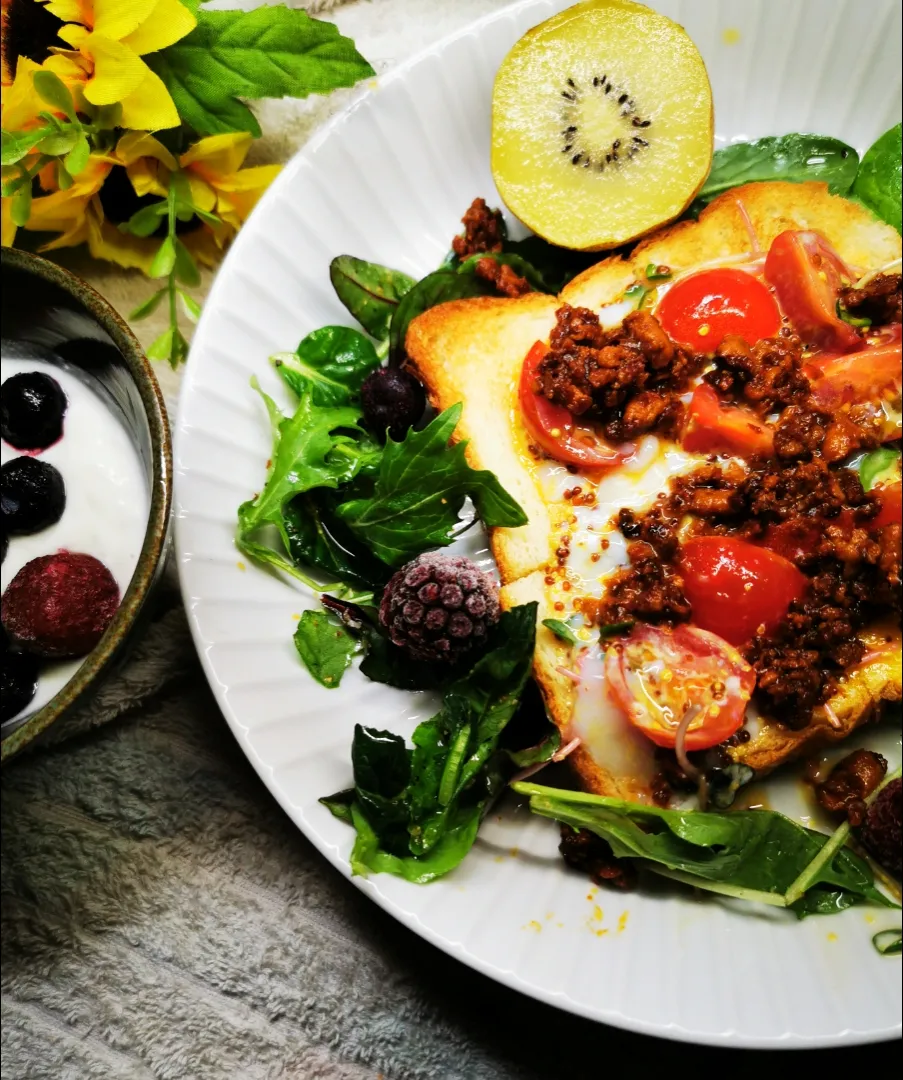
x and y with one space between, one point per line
162 918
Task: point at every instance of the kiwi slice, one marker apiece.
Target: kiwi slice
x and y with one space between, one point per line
601 124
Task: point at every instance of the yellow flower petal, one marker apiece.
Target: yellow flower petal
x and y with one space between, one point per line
105 241
145 177
205 244
217 155
21 104
138 144
73 35
257 178
7 225
167 23
149 108
75 235
117 18
202 194
57 212
118 71
69 10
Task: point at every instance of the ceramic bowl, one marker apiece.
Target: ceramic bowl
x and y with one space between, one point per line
48 309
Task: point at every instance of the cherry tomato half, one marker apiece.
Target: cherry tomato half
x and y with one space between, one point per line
736 587
729 429
856 377
553 429
656 675
699 311
807 275
891 512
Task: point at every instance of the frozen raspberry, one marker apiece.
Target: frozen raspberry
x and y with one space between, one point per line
60 605
437 607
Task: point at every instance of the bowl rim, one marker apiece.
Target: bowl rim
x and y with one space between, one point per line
96 663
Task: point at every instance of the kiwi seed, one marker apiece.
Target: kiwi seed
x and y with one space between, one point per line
616 153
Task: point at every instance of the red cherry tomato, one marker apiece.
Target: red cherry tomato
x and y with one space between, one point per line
891 512
860 376
729 429
736 587
807 275
552 427
655 676
699 311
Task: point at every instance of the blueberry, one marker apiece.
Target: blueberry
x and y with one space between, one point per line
392 400
18 683
32 406
32 495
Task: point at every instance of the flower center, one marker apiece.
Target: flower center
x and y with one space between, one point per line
30 31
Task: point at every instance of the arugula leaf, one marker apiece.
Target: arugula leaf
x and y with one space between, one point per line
561 630
325 646
316 539
309 450
436 288
878 465
416 811
370 292
419 490
751 854
517 263
795 157
268 52
331 363
879 181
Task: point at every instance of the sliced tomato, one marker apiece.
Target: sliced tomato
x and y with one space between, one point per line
735 587
716 428
856 377
891 512
700 310
553 428
807 274
656 675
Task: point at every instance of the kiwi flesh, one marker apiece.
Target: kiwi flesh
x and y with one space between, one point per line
602 124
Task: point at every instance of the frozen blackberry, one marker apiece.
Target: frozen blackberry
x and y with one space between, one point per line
392 400
883 827
32 495
32 406
437 607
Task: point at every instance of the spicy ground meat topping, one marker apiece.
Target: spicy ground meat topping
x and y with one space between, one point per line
628 378
484 231
879 300
767 376
505 280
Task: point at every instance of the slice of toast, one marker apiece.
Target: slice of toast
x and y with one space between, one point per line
472 351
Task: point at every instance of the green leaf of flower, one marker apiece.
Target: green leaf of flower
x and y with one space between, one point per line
267 52
57 143
146 221
191 307
53 90
19 144
20 210
165 259
161 349
148 306
77 158
186 268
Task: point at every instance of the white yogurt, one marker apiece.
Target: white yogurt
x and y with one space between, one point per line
107 498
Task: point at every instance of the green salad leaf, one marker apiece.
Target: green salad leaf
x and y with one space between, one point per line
554 266
331 363
561 630
268 52
317 539
750 854
436 288
795 157
879 183
518 264
369 291
419 490
325 646
416 810
878 465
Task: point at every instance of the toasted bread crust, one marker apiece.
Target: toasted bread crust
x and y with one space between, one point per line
473 350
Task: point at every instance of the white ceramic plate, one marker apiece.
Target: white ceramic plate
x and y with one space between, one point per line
388 180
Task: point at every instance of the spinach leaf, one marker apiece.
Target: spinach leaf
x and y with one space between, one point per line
517 263
751 854
436 288
781 157
370 292
331 363
878 465
325 646
386 663
878 182
561 630
317 539
339 805
420 488
416 811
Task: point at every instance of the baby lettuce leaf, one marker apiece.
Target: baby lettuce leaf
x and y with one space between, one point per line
370 292
331 363
750 854
879 182
325 646
781 157
416 811
318 540
436 288
419 490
